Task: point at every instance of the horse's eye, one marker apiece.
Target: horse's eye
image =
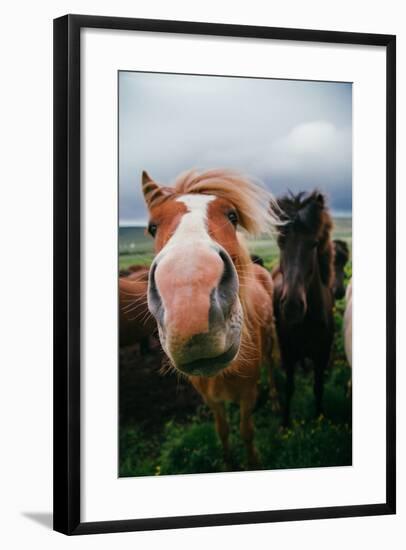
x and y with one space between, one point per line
232 216
152 228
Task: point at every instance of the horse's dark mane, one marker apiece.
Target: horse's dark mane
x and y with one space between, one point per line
307 212
303 211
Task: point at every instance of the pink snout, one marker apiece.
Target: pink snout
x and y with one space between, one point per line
193 295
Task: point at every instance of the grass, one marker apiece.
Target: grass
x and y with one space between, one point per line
135 247
189 443
192 446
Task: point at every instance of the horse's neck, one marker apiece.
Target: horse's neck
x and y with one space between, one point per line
316 295
247 286
248 297
325 264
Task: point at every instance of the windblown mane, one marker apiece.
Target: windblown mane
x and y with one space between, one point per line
309 213
251 201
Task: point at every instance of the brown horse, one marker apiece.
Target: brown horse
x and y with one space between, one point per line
303 297
125 272
341 257
212 304
136 323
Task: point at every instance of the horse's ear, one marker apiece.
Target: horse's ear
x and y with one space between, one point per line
320 199
152 191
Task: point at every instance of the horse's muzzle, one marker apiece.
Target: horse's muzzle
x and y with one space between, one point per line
210 366
293 310
197 309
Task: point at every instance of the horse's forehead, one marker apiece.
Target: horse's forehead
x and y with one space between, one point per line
186 217
196 202
191 215
194 218
304 222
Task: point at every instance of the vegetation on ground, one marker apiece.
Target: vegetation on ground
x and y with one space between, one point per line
166 429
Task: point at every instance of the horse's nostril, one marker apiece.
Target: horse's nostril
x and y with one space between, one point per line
227 288
300 305
228 270
284 296
152 277
294 309
154 299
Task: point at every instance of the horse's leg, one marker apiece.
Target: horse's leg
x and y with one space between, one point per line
318 387
247 404
273 391
289 365
222 427
320 364
274 360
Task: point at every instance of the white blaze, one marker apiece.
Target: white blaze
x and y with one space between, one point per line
193 224
192 229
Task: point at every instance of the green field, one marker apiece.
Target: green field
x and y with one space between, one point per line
166 429
135 247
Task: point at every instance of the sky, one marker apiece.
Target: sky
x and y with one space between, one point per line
291 135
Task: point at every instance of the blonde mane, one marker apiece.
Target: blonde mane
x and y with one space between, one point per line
245 270
252 202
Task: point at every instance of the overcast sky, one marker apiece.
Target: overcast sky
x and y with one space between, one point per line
291 134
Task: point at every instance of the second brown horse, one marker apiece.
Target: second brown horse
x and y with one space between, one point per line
303 296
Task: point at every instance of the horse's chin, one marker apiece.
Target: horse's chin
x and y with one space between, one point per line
293 320
205 354
293 316
210 366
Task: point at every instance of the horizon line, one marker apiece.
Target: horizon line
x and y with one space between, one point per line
144 223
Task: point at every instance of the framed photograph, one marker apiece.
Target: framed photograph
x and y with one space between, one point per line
224 274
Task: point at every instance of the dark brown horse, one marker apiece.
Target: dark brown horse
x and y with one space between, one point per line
303 298
137 325
341 257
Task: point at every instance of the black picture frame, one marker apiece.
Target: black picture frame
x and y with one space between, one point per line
67 228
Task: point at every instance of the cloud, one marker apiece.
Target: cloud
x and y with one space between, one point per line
312 151
291 134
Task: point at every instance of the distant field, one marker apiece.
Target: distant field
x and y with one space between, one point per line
135 247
